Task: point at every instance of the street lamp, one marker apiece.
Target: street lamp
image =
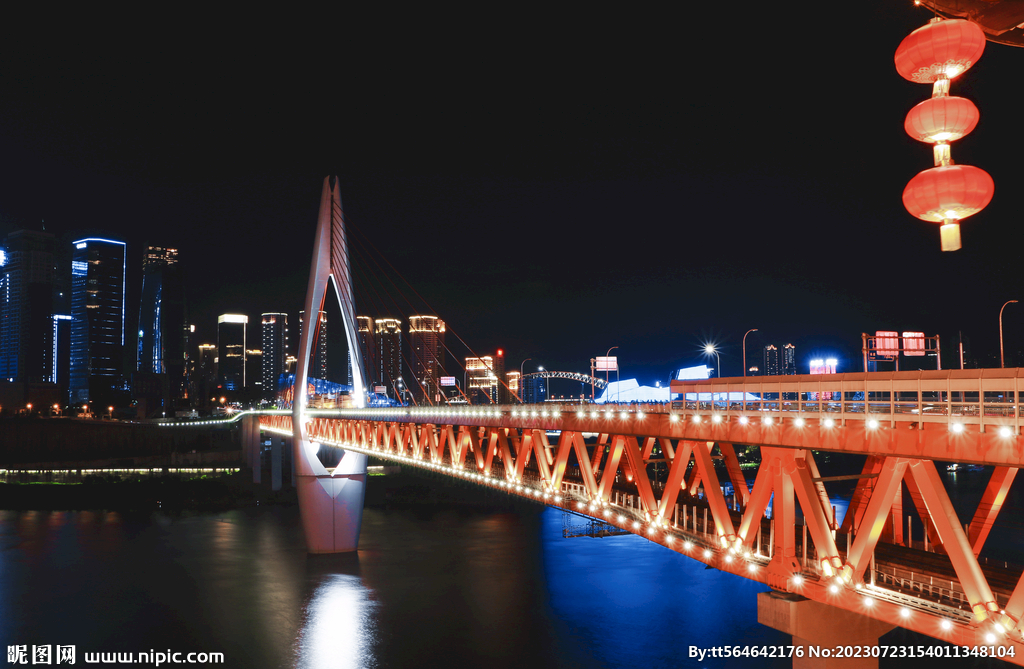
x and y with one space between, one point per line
547 393
745 350
709 349
1001 363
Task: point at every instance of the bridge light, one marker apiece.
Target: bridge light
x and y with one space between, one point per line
544 414
687 545
558 498
799 422
581 414
696 419
946 625
624 415
669 538
636 524
872 424
990 638
868 602
833 588
797 579
673 418
751 567
622 519
904 612
829 423
957 427
716 418
579 505
743 420
1006 432
639 415
707 554
767 420
593 414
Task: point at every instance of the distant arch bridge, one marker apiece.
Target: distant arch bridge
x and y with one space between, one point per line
572 376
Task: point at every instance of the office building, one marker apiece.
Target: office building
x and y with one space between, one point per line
97 326
28 281
426 340
481 382
318 356
502 396
231 333
789 360
163 334
771 360
275 353
388 334
512 380
364 329
254 371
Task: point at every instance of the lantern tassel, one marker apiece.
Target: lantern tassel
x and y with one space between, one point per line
949 233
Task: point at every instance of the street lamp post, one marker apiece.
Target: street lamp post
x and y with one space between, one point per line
745 350
1001 361
616 373
711 349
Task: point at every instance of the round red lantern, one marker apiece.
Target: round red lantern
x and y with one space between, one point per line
942 119
940 50
946 195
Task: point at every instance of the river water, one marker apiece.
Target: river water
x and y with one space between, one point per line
430 586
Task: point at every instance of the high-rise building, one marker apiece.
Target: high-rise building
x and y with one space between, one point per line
388 333
207 371
789 360
318 356
512 379
275 352
426 339
771 360
364 328
481 383
231 331
162 343
254 369
97 311
28 281
499 378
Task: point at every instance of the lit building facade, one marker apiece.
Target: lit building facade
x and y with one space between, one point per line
771 360
512 380
481 382
163 335
388 334
97 311
275 352
426 339
789 360
368 347
318 357
231 333
28 281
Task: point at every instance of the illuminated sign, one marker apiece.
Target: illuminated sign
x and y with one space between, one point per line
232 318
887 344
607 363
827 366
913 343
446 381
81 246
380 390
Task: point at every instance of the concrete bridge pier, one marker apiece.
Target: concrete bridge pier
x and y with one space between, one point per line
251 445
330 503
276 448
822 626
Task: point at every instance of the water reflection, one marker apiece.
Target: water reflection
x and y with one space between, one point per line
339 629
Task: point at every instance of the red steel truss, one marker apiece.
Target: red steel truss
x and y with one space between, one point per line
509 448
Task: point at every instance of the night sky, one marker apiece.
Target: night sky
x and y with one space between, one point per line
552 182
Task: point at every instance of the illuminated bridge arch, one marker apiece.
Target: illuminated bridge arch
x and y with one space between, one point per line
572 376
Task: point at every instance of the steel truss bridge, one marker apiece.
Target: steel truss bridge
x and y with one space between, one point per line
599 465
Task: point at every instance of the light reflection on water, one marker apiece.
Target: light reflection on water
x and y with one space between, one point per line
338 630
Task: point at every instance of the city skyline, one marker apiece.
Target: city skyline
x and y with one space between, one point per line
655 218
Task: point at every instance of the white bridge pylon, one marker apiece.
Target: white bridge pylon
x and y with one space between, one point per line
330 503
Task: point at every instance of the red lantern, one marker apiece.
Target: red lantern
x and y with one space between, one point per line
939 50
947 194
942 119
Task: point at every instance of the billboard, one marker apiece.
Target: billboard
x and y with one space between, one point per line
887 344
380 390
607 363
913 343
446 380
827 366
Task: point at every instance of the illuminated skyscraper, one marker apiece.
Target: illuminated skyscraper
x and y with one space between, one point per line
789 360
501 397
426 339
771 360
28 279
318 357
388 333
364 328
481 383
275 352
231 332
512 379
163 331
97 311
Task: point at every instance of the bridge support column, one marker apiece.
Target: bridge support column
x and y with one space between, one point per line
276 444
331 505
251 445
820 626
